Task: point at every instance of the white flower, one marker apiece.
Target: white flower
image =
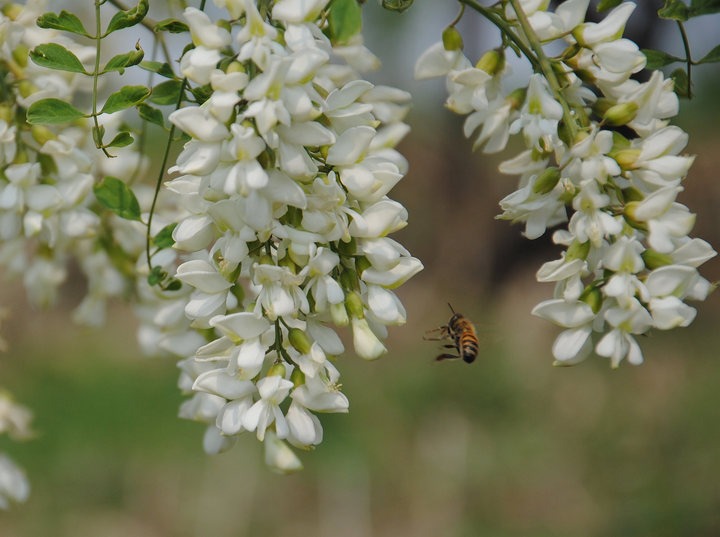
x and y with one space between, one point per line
280 292
279 456
436 61
13 483
273 390
367 344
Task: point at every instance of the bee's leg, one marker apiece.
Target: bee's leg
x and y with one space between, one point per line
447 357
443 334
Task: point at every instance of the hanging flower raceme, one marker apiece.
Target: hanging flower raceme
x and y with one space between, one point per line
284 182
49 215
601 160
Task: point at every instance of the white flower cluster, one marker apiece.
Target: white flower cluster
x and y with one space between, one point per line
601 158
14 421
48 214
284 187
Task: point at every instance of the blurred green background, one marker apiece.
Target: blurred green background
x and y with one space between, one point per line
508 446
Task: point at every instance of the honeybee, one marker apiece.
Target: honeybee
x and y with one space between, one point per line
461 331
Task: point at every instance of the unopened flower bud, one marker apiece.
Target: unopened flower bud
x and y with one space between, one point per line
42 134
577 250
26 88
547 180
451 38
349 279
265 259
276 370
620 114
366 343
626 158
492 62
20 54
279 456
12 11
339 314
361 264
299 340
297 377
516 98
288 263
654 259
632 194
592 296
5 113
354 305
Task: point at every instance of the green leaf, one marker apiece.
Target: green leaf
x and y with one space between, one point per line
657 58
604 5
54 56
674 10
711 57
64 21
157 275
166 92
161 68
397 5
122 139
704 7
150 114
115 195
682 83
173 26
122 61
164 238
345 20
125 19
126 97
51 112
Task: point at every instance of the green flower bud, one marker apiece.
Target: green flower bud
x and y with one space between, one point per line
620 114
362 264
654 259
299 340
236 67
6 113
20 55
516 98
602 105
288 263
347 249
632 194
547 180
265 259
577 250
42 134
349 279
12 11
626 158
297 377
492 62
397 5
592 297
276 370
354 305
26 88
451 38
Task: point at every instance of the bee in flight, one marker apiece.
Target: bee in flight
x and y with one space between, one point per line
461 331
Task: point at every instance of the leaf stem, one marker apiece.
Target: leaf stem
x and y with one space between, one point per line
161 174
570 119
505 29
688 59
149 24
96 75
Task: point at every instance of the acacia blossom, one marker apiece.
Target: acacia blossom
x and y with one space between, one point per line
614 193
